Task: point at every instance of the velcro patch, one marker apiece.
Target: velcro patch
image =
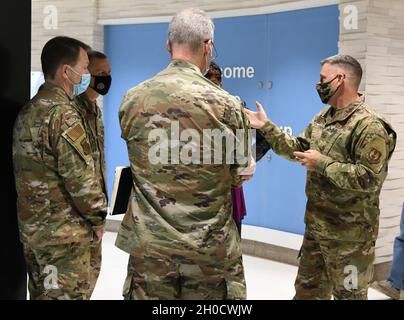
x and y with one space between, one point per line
374 156
75 132
86 147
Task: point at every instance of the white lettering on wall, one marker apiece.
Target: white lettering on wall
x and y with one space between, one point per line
238 72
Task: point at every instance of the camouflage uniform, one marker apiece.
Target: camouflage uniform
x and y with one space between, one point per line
60 199
92 115
179 229
342 211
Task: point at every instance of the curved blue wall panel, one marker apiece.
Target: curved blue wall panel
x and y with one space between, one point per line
272 58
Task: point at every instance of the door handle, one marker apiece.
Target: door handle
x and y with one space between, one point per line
264 85
268 85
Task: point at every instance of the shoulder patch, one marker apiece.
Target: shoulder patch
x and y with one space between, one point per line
75 132
374 156
86 147
76 136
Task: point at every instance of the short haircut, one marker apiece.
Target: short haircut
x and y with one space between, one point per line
92 54
190 27
58 51
214 72
348 63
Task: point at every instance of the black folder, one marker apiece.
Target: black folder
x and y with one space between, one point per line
121 190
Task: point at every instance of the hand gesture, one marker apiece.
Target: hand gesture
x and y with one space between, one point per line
257 119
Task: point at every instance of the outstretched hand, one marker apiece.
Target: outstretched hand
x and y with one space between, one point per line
257 119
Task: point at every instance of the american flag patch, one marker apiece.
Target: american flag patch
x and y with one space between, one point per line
75 132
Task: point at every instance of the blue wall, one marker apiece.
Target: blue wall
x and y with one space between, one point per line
284 48
136 53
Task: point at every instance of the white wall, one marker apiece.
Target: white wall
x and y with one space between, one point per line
74 18
112 9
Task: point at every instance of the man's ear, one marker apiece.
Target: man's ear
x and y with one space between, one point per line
62 71
206 47
168 46
343 77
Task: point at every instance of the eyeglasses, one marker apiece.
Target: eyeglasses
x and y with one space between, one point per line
214 51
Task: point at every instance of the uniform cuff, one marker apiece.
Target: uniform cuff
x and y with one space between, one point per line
322 164
268 130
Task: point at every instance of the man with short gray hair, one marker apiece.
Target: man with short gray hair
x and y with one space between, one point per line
179 231
346 149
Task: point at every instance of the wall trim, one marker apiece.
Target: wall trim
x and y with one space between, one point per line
275 8
274 245
255 234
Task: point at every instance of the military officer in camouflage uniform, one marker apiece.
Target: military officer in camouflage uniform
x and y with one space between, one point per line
100 83
346 149
61 200
179 231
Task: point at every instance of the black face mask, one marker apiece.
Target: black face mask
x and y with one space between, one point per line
325 91
101 84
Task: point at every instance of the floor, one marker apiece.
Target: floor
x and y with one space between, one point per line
266 280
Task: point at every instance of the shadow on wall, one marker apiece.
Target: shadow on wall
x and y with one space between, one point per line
12 267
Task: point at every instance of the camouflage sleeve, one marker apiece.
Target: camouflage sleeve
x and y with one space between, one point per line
371 156
237 120
284 144
75 164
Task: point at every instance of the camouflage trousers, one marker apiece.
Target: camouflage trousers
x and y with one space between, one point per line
163 279
342 269
63 272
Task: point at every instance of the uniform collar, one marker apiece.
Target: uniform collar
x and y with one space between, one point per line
185 65
84 101
332 115
60 93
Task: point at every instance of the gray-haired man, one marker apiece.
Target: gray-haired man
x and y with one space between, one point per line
179 231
